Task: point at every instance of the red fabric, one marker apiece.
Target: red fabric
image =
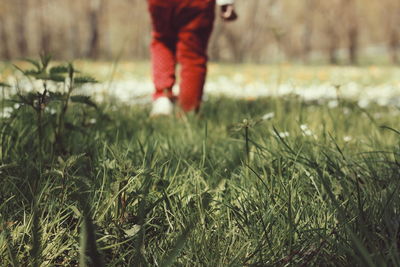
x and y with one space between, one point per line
181 30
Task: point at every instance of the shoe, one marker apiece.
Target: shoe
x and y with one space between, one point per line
162 106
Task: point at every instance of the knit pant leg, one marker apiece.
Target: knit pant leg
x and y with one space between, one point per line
192 45
163 48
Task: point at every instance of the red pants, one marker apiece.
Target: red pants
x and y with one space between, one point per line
181 30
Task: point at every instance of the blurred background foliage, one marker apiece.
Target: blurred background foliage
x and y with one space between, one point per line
268 31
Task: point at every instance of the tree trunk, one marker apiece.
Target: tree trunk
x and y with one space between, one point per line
21 27
45 37
349 8
333 46
394 46
353 45
308 30
5 50
94 31
215 51
74 32
236 52
306 38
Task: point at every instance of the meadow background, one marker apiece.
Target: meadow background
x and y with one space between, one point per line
310 31
294 159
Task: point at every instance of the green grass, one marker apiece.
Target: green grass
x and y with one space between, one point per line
222 189
95 185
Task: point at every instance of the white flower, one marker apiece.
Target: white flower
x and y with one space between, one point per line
283 134
92 121
306 130
333 104
7 111
268 116
304 127
347 138
52 111
16 106
363 103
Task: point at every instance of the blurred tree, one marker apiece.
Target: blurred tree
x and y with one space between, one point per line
309 20
349 8
94 12
74 29
267 30
394 44
138 32
4 42
21 33
331 24
391 14
45 37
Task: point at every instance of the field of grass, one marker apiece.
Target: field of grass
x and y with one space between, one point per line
273 181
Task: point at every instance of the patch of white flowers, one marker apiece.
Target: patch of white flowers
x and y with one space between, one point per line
347 138
52 111
6 113
333 103
306 131
363 103
268 116
137 90
283 134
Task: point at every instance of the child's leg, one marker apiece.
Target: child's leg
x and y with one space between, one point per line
197 20
163 47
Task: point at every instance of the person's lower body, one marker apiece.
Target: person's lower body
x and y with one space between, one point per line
181 31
